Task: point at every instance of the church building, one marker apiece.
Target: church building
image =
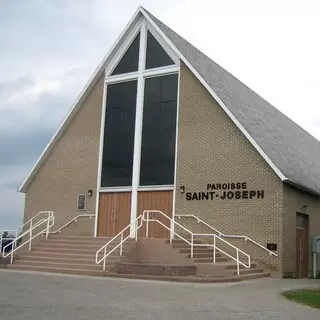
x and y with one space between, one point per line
160 126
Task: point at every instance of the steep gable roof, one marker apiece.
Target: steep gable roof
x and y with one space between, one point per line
292 153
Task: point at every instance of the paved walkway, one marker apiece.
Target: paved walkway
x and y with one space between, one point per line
36 296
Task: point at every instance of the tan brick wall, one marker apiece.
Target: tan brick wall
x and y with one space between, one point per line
70 169
211 149
294 199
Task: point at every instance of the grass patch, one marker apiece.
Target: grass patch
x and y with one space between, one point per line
308 297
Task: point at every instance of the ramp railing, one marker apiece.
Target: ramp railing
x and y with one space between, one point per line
222 235
32 227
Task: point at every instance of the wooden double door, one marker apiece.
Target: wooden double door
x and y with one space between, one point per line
115 211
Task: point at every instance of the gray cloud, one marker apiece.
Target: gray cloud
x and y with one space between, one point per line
11 87
16 148
27 125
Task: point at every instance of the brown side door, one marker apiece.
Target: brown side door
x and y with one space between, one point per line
302 246
114 213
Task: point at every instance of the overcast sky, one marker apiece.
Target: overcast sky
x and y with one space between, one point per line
49 49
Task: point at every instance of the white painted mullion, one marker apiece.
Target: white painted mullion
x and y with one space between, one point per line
138 129
102 126
175 161
161 71
115 189
156 188
123 77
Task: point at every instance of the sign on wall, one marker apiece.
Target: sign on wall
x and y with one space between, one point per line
229 191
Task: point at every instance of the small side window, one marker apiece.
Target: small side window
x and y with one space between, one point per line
81 204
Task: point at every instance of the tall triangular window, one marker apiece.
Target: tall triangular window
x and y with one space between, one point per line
130 60
156 55
148 93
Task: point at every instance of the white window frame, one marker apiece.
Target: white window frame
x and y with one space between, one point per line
85 202
115 189
143 26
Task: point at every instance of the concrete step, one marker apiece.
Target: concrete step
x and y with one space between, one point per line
74 254
41 253
62 264
87 239
180 241
63 250
94 246
208 254
88 272
233 265
110 272
197 250
68 258
209 260
254 275
186 245
75 250
249 271
84 238
77 242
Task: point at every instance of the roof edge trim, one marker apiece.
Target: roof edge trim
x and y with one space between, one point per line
215 96
300 187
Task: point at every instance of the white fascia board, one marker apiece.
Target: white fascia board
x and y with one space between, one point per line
215 96
77 104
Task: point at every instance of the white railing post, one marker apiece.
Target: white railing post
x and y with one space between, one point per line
48 223
1 242
21 234
191 245
214 249
104 258
12 249
136 235
238 266
121 243
30 235
147 226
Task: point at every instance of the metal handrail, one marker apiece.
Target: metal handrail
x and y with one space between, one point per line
49 222
146 218
70 221
222 235
16 231
137 223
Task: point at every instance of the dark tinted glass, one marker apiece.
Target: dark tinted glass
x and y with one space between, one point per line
129 62
156 56
159 131
119 134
